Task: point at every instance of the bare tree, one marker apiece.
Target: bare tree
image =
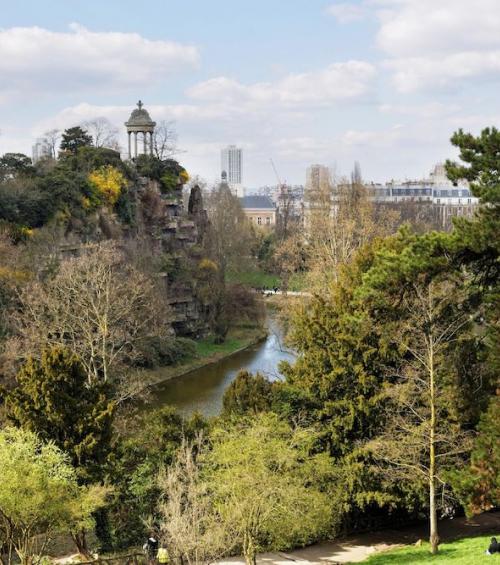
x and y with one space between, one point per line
342 222
229 243
423 437
165 140
103 132
51 139
97 305
288 215
190 526
289 258
230 235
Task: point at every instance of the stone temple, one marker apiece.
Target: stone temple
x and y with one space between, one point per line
140 122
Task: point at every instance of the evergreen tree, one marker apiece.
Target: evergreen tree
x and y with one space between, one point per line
74 138
54 400
478 239
247 394
478 485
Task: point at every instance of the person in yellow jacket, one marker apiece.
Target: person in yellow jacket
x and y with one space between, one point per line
163 557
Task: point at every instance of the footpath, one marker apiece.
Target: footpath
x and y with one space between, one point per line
355 549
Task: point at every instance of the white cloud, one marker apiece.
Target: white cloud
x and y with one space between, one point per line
416 73
430 110
345 12
439 44
339 81
445 26
40 60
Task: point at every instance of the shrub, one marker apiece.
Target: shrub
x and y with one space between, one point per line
161 352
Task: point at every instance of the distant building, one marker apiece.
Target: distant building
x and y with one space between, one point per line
434 198
318 194
318 177
40 150
232 166
260 210
447 199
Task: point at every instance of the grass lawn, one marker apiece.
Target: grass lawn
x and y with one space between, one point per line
207 347
254 278
260 279
467 551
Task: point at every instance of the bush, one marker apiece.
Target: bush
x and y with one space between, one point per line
247 394
160 352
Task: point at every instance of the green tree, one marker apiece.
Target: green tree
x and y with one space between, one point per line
15 164
337 380
266 486
52 399
39 495
140 453
478 239
478 484
424 315
247 394
74 138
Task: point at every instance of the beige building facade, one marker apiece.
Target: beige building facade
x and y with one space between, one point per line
260 210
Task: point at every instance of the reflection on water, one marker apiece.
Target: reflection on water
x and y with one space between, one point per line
202 390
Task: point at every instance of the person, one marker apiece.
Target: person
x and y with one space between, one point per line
494 547
163 557
151 549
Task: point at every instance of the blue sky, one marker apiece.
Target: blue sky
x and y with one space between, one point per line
384 82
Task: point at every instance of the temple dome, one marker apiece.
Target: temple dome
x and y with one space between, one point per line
140 118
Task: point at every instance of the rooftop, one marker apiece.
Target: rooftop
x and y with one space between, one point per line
257 202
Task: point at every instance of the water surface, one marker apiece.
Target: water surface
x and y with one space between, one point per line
202 389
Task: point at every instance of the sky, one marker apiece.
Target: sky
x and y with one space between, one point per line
381 82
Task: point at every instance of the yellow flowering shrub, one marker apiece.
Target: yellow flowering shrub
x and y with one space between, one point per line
108 182
207 265
184 176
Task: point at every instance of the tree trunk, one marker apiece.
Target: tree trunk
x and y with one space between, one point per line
80 540
434 538
249 549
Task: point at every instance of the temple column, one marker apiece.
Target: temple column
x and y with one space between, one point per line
129 145
145 141
135 144
151 142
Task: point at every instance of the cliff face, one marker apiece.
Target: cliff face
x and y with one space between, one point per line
176 237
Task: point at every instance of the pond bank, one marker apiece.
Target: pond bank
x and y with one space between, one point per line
208 353
201 388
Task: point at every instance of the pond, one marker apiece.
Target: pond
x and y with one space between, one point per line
201 390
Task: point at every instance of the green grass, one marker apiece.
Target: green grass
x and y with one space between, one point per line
467 551
254 278
207 347
298 282
260 279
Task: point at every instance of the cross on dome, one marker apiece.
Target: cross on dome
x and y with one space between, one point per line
140 104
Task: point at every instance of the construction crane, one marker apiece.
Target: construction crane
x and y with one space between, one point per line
280 184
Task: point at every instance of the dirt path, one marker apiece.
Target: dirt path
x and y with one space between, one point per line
357 548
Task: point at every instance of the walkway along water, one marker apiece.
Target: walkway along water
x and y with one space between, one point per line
201 390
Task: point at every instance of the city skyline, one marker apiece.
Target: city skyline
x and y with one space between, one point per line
382 82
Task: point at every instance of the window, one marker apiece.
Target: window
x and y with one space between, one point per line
268 221
259 221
